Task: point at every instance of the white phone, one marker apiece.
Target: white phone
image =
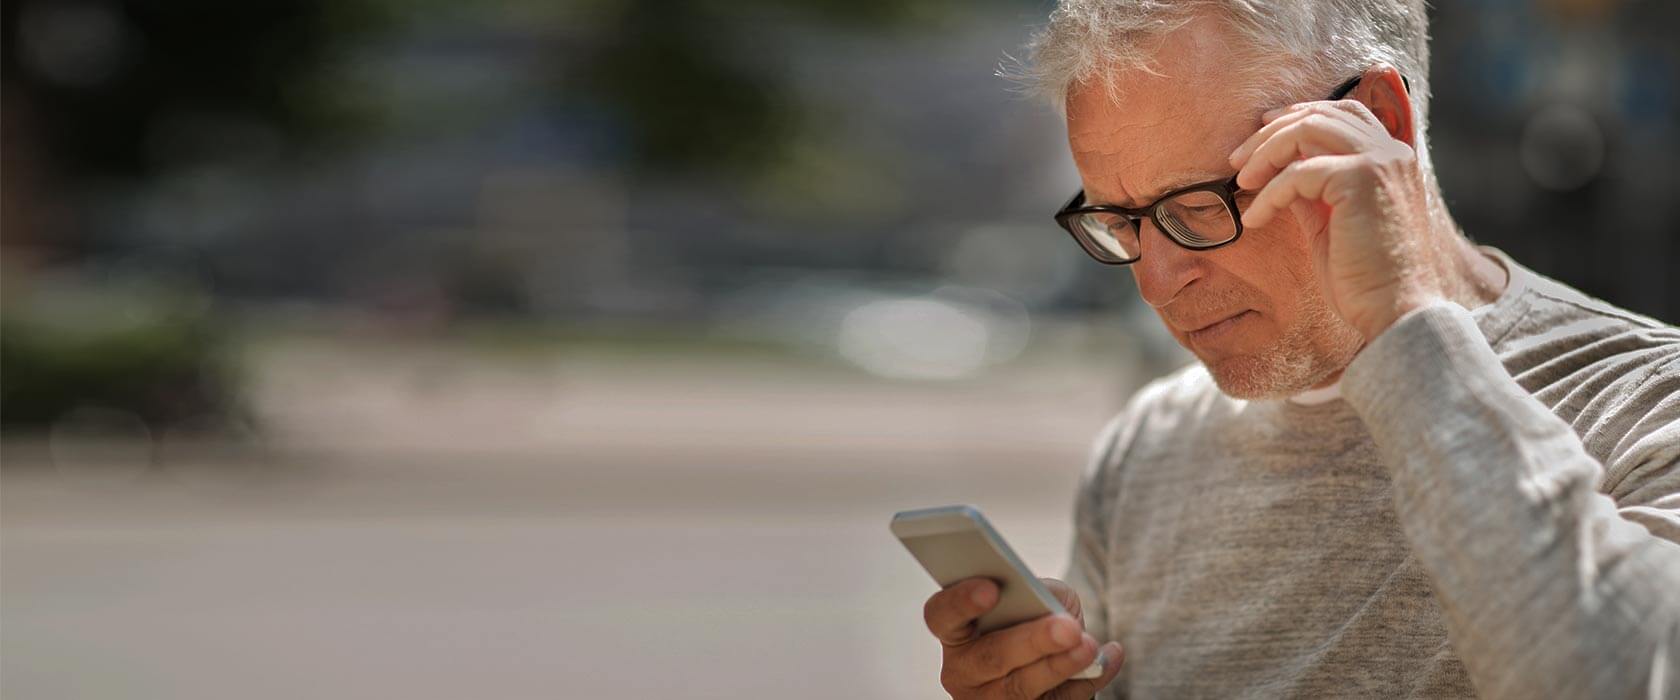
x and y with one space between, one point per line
955 542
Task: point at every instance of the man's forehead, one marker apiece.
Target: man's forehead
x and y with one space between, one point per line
1152 130
1139 155
1144 145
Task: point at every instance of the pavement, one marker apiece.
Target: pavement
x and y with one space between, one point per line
430 524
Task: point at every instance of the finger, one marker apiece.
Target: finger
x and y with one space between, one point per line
1113 656
1354 114
1067 596
1276 112
1308 106
950 613
1044 675
1311 135
1242 152
1315 218
1348 105
1302 179
995 655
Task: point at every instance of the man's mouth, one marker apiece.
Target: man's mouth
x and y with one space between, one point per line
1217 329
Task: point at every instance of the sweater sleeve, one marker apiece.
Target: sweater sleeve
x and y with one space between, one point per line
1549 587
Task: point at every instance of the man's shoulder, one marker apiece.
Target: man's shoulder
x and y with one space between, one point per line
1550 332
1557 297
1609 372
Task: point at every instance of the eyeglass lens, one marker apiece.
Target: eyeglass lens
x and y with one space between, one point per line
1195 219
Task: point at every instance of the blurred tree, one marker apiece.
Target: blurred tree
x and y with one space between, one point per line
119 88
101 96
149 352
693 85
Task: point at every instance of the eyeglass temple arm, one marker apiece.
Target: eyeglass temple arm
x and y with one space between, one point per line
1340 92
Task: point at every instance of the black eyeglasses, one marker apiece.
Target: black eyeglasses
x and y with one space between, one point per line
1202 216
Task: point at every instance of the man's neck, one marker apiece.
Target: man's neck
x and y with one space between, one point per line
1477 279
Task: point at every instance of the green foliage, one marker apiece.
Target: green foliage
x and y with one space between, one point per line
694 83
148 351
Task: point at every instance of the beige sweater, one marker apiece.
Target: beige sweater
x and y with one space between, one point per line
1492 508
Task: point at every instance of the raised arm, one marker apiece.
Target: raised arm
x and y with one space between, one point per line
1550 587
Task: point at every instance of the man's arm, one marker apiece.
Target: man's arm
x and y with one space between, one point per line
1549 587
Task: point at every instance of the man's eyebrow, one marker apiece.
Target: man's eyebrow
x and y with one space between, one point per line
1176 183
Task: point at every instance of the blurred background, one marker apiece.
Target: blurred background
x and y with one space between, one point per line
366 348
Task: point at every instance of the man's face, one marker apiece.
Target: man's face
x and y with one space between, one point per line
1252 311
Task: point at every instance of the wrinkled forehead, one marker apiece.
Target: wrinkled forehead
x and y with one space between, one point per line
1178 119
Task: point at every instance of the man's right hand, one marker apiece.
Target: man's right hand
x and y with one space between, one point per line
1034 659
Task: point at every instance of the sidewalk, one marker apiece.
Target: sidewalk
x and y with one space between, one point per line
578 529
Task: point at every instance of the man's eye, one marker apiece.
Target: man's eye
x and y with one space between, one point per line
1202 212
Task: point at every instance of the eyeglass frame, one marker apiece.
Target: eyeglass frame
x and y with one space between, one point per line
1225 189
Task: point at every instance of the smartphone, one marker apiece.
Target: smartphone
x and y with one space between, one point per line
956 542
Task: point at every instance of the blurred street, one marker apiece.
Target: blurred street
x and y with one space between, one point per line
372 349
424 526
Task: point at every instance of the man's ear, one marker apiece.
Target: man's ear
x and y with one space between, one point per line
1383 91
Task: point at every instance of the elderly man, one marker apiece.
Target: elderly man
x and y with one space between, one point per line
1405 465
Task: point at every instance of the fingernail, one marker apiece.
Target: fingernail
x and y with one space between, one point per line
1117 655
1102 659
980 596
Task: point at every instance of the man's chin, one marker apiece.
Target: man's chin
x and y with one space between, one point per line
1267 376
1315 348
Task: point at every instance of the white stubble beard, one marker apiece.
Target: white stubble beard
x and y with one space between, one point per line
1318 346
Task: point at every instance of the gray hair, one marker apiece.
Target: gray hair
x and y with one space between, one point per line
1291 50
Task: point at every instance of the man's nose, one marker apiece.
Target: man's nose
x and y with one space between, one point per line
1165 267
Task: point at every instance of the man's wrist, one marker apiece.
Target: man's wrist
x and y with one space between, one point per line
1376 326
1425 342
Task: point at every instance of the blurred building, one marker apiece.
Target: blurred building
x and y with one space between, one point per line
490 172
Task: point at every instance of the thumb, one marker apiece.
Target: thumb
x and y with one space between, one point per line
1314 219
1067 596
